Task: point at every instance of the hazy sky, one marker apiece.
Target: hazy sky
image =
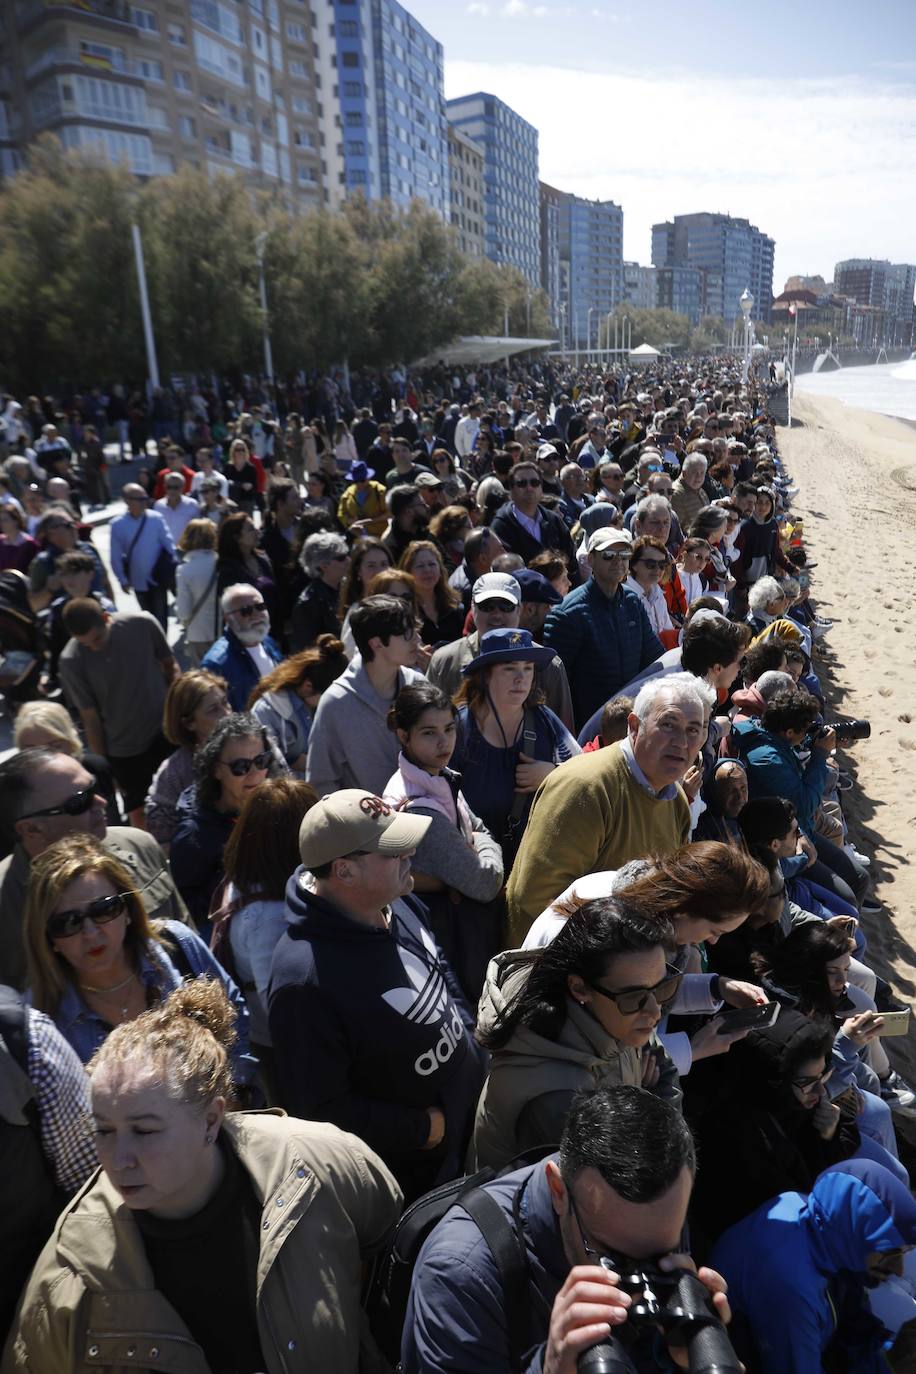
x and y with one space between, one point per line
798 116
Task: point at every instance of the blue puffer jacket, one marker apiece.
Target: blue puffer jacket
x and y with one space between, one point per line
775 770
603 642
794 1268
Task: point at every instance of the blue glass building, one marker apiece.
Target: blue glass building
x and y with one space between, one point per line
394 132
511 200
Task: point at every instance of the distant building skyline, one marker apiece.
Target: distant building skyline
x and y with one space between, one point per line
732 253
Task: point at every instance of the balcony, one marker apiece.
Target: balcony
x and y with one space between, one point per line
116 13
62 56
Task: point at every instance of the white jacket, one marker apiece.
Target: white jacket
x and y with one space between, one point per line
192 578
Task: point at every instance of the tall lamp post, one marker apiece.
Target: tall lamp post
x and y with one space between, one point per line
607 337
593 310
746 302
259 245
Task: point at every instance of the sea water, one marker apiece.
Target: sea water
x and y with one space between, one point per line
889 390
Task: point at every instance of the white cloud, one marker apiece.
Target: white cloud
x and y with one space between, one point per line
824 166
477 7
519 9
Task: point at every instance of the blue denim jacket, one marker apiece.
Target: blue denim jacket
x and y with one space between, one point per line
85 1029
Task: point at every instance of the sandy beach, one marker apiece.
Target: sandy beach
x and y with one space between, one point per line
856 474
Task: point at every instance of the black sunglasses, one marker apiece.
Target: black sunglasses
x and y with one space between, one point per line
63 924
632 1000
77 805
240 768
527 482
246 612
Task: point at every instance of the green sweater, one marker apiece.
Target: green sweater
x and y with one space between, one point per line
590 814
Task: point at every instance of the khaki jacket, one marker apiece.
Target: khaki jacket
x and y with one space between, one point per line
328 1203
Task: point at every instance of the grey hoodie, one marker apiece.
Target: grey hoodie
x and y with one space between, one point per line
350 744
532 1080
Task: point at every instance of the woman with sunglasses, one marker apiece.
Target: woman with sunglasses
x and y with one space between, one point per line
232 762
648 562
96 960
578 1013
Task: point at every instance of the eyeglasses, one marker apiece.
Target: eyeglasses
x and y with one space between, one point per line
63 924
240 768
340 557
253 608
527 482
612 556
804 1084
77 805
633 1000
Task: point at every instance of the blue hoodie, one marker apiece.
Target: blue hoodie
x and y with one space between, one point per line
793 1262
369 1029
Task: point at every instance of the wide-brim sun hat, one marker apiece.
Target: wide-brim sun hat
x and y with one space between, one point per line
508 646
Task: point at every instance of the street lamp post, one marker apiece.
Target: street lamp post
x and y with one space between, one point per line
152 364
593 310
746 302
259 245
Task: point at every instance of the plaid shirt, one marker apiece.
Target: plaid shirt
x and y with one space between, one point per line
62 1097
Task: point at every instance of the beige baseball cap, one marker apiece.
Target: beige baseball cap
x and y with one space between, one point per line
609 538
353 821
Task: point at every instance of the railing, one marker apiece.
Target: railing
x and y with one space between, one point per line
90 62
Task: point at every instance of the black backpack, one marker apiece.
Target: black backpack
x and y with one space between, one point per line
29 1197
389 1284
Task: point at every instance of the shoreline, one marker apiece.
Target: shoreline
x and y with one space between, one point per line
856 473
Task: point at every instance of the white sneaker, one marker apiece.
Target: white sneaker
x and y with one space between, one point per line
898 1095
853 853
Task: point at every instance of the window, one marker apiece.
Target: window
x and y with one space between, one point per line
262 82
301 105
144 19
134 150
101 55
295 32
348 28
349 59
356 177
187 127
307 175
260 41
178 35
297 68
268 158
355 148
354 119
182 80
303 139
353 88
217 17
150 71
217 58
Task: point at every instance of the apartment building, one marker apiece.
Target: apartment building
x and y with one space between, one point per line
214 83
466 192
510 148
732 254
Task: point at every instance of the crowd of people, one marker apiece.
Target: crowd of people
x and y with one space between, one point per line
463 791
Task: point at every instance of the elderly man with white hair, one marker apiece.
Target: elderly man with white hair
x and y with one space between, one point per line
687 495
325 558
601 809
653 517
244 652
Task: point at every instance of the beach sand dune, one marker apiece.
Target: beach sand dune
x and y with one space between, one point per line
856 474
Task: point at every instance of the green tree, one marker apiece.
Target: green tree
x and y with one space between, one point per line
710 332
199 244
71 308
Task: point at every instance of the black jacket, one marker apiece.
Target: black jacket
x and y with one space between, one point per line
554 535
314 614
370 1030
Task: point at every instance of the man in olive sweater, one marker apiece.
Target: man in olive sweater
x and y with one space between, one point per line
602 809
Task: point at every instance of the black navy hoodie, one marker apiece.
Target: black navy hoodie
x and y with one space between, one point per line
369 1030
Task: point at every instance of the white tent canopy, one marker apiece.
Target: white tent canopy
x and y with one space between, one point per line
480 348
645 353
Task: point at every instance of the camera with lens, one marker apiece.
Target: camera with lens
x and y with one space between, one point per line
677 1304
847 731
